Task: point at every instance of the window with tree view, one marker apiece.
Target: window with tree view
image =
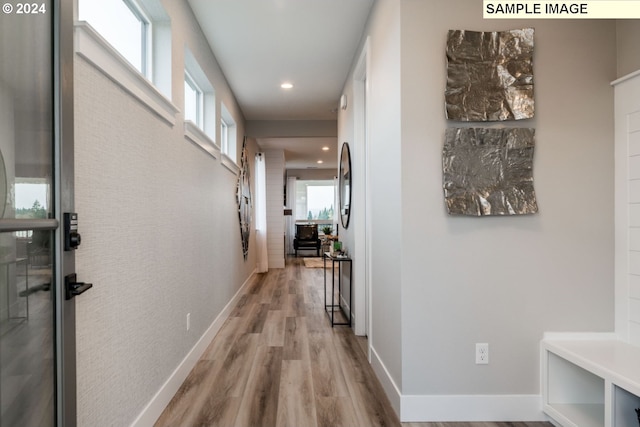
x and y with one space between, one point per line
32 199
315 200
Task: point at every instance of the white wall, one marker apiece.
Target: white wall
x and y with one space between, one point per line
290 128
160 235
386 201
506 280
385 137
312 174
628 48
627 89
274 162
443 283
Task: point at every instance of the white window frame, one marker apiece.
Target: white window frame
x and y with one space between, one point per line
144 24
224 136
228 140
153 89
201 132
199 101
146 39
301 200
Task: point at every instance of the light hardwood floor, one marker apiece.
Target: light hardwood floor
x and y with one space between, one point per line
277 362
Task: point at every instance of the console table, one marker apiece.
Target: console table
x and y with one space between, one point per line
330 308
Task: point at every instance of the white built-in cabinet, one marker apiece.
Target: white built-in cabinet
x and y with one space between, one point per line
593 380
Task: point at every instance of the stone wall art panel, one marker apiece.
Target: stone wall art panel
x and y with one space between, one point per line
488 171
489 75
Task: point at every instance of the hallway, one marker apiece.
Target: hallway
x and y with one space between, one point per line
277 362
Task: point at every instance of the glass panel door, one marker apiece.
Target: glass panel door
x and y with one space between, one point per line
28 223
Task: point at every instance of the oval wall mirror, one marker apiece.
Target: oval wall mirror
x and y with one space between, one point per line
344 185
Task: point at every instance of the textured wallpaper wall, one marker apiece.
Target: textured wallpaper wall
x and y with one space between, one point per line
160 240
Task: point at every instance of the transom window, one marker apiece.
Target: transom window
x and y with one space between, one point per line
193 101
227 134
126 39
199 99
131 37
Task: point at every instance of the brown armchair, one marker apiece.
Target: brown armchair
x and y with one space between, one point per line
307 238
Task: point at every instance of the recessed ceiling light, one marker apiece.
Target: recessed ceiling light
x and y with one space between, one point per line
286 86
325 148
319 162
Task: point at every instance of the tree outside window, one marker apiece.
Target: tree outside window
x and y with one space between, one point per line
314 200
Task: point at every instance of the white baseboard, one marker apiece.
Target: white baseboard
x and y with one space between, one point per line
457 408
478 408
159 402
388 384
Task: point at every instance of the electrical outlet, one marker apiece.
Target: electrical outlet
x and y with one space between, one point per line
482 353
188 321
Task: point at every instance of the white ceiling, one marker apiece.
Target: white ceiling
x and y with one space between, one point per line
260 44
304 153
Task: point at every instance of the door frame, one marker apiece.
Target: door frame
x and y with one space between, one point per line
362 217
63 55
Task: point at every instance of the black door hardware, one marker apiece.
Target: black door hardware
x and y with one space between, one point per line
71 236
73 288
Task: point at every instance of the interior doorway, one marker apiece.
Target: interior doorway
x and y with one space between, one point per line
362 225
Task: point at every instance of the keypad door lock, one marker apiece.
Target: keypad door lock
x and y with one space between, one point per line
72 237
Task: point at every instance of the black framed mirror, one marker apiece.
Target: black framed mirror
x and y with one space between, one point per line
344 185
